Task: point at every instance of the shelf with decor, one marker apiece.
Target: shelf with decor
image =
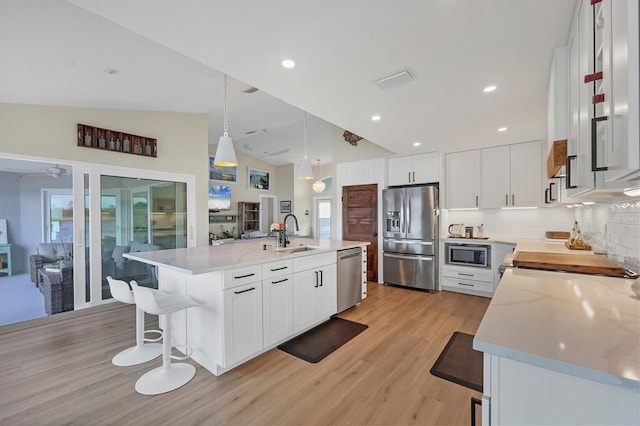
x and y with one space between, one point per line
222 218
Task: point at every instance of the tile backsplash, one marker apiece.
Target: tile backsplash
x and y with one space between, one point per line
613 229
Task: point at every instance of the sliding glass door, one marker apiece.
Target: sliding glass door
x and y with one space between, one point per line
138 215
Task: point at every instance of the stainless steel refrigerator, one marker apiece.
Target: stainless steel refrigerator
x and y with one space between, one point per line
410 240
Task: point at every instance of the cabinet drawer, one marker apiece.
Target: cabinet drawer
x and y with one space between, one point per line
466 285
314 261
474 274
275 269
240 276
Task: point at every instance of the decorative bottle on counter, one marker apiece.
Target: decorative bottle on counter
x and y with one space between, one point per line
578 241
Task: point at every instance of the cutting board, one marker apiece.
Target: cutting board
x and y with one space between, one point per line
593 264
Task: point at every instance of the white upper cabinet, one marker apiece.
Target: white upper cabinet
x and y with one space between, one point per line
462 179
620 87
603 97
512 175
413 169
496 176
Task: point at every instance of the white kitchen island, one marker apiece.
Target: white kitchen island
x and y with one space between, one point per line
250 299
561 348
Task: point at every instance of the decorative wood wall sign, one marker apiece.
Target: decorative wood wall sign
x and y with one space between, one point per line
352 138
111 140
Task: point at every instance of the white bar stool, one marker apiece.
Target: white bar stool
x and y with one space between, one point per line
169 376
142 352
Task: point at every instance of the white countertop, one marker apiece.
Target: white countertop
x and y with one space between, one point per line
584 325
200 260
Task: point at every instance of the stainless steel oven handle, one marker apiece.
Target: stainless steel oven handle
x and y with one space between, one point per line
408 257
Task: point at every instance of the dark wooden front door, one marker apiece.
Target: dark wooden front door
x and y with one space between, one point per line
360 221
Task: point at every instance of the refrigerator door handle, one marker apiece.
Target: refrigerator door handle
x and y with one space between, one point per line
424 243
397 256
408 215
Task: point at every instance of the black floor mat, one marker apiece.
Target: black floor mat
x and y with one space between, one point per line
315 344
459 362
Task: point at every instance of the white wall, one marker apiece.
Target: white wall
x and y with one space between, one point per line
49 132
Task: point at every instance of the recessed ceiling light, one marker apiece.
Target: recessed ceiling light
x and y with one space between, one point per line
502 129
489 89
111 71
416 144
375 117
288 63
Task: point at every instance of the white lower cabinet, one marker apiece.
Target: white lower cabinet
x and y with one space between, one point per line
465 279
277 297
515 393
242 322
315 296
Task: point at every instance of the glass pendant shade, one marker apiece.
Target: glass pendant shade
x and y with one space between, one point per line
225 153
305 169
318 186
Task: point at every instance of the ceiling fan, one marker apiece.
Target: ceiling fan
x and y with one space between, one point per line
54 171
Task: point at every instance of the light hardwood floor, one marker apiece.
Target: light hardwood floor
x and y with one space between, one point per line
61 372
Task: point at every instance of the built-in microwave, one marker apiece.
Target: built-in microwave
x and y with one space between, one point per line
476 255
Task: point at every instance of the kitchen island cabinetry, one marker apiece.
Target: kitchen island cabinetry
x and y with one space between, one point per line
413 169
462 181
277 295
242 321
512 175
315 292
249 298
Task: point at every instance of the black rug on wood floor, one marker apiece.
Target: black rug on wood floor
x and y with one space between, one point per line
315 344
459 362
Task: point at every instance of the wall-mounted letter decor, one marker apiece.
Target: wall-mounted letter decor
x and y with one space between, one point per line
111 140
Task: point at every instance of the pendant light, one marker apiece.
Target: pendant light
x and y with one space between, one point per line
318 186
305 166
225 152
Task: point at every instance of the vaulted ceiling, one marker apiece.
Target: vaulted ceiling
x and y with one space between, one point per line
171 55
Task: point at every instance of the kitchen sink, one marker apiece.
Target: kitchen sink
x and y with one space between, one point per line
303 248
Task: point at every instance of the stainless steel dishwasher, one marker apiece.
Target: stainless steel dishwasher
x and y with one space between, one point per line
349 278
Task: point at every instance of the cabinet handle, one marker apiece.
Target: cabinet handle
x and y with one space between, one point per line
466 275
513 200
468 285
551 192
280 281
244 291
321 278
599 98
414 177
506 199
243 276
568 182
476 201
279 269
594 141
546 196
316 272
409 177
593 77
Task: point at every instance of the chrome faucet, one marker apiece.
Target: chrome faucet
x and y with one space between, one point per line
295 220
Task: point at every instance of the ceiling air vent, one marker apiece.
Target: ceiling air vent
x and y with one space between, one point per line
394 79
251 90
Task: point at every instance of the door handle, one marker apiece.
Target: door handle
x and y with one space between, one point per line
375 234
568 182
594 141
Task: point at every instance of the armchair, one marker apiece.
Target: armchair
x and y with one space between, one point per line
47 253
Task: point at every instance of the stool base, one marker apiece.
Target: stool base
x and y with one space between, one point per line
137 355
165 379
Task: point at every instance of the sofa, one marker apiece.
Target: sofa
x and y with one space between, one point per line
121 268
47 254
